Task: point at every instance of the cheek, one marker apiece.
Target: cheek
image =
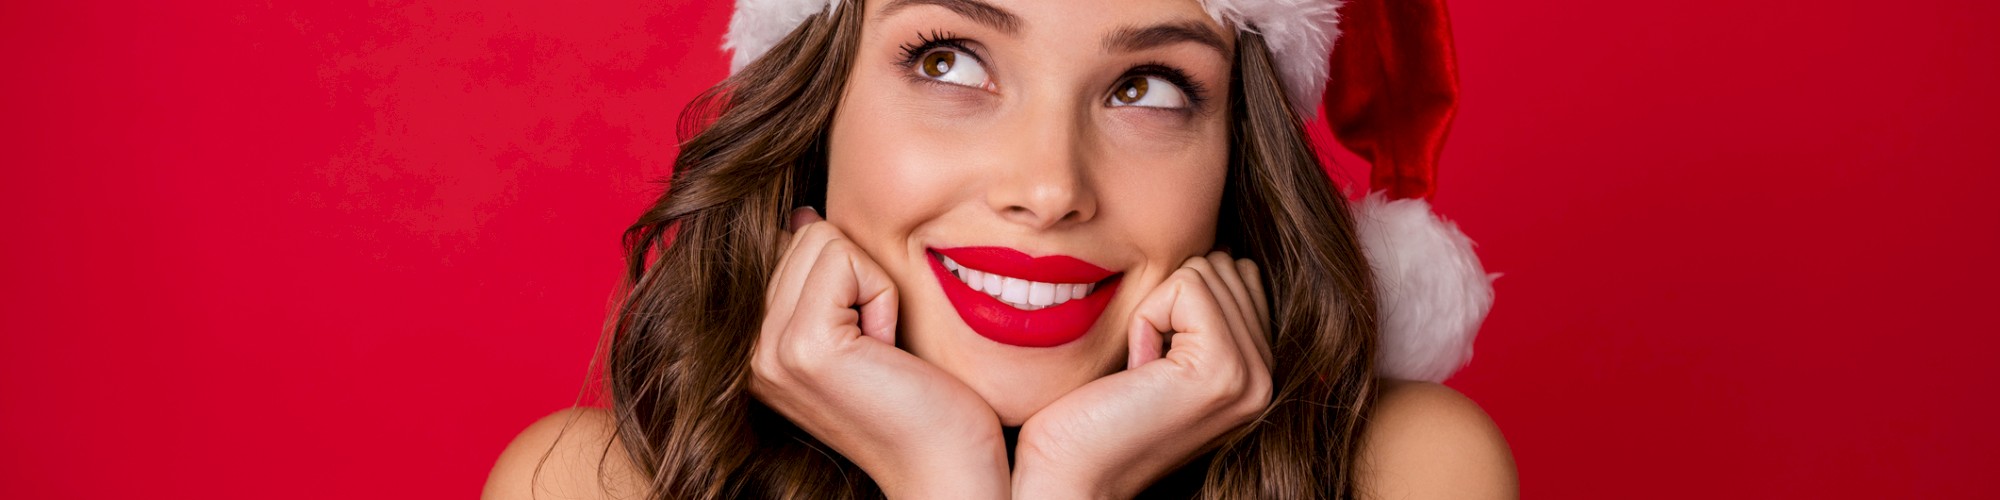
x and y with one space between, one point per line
888 175
1167 204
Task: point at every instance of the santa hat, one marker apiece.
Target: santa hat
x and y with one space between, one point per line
1393 103
1395 92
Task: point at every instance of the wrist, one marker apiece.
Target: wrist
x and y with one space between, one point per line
1036 476
974 471
1031 484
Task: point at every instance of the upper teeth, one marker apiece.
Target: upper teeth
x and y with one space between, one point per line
1020 293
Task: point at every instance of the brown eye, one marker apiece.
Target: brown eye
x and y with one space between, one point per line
936 64
1147 92
1131 90
945 65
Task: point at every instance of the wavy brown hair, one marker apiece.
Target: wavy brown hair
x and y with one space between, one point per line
677 348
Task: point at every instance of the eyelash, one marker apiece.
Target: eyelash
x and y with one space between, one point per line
1196 92
935 40
913 53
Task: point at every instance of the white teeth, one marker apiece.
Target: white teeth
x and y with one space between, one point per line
1016 291
975 279
1041 294
1022 294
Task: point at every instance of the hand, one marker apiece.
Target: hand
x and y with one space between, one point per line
837 374
1116 435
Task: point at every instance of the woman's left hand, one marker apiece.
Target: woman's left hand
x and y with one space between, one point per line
1116 435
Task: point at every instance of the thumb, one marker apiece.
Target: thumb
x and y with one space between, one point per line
875 296
1180 307
1145 339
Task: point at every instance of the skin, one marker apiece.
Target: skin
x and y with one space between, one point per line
1426 441
1025 143
1038 163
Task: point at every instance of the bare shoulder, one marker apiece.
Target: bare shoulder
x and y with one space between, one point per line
1425 440
570 454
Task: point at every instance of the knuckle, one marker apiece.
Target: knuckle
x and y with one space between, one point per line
1260 386
1222 383
830 231
1253 394
1219 260
765 370
1199 264
837 247
1247 409
1228 398
814 231
1193 290
796 356
1185 276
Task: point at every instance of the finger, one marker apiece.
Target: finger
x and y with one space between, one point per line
1181 305
1239 297
1143 340
844 277
791 273
804 215
798 218
1254 280
1218 283
786 249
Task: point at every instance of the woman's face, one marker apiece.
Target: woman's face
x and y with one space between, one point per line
1026 171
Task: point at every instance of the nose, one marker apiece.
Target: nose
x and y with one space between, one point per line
1042 180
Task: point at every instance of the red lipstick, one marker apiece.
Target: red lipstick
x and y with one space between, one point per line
1047 327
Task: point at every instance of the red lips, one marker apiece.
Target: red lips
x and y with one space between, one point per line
1052 326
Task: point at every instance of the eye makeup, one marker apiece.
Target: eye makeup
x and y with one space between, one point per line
1197 94
911 55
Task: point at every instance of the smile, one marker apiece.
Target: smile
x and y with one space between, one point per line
1011 298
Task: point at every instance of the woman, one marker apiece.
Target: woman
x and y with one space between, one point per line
1069 250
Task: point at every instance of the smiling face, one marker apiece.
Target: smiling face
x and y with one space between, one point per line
1026 172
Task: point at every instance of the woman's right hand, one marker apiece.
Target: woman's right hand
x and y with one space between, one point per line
836 373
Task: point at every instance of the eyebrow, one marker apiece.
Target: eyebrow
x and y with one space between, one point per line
1134 39
977 11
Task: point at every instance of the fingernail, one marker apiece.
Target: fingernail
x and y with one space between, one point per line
803 215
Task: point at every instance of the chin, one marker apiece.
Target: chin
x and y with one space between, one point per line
1020 391
1016 381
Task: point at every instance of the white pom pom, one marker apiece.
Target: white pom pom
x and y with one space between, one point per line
1431 291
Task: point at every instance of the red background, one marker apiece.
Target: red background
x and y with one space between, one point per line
347 251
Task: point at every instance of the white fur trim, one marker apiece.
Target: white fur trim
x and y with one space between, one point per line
1299 33
757 26
1431 292
1300 36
